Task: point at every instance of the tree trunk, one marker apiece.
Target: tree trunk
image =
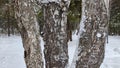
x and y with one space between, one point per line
93 29
56 47
8 19
69 31
8 26
29 30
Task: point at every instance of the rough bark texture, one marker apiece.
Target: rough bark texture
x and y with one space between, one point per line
56 47
29 30
92 34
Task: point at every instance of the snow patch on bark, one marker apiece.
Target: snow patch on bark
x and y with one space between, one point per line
82 25
25 3
99 35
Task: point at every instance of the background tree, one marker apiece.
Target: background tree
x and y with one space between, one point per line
7 20
114 25
29 30
93 29
41 21
73 20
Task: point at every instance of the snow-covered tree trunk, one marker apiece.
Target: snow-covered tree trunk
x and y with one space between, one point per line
55 35
29 30
93 28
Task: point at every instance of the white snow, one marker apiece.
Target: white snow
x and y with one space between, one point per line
11 52
99 35
72 50
112 53
25 3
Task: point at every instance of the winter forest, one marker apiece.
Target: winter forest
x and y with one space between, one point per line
59 33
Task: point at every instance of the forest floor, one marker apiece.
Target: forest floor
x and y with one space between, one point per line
11 52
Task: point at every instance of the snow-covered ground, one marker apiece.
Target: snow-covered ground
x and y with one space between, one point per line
11 52
112 53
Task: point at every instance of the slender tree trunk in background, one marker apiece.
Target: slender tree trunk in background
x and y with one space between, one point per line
8 19
8 25
69 31
56 47
29 30
12 29
93 28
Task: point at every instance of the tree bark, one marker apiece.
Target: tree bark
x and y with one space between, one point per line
93 29
29 30
56 47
